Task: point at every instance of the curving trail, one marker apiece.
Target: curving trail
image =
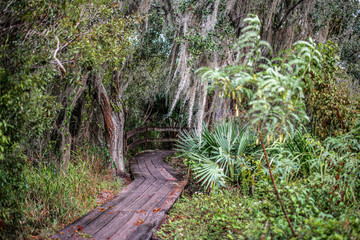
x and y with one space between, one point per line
138 209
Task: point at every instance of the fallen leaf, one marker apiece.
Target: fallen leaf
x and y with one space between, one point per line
140 221
79 228
156 210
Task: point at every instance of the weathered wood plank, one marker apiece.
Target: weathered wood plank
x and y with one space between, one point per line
153 170
128 229
137 210
143 168
157 215
163 191
112 227
92 215
145 196
110 213
170 169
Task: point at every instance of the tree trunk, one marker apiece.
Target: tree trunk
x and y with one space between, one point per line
66 138
202 104
114 122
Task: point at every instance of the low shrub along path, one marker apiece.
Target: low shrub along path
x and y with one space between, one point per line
138 209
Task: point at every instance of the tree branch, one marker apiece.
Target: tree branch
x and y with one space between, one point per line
56 59
287 13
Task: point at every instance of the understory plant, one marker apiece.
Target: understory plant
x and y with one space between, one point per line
296 156
228 214
223 153
273 87
53 200
333 100
332 165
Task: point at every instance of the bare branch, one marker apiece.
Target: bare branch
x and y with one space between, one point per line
56 59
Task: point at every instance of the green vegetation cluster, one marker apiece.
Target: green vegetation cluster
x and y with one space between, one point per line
53 200
50 200
293 177
229 214
51 53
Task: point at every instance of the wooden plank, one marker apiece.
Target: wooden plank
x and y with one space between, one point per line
135 170
153 169
113 226
165 189
109 230
134 196
166 174
158 163
110 213
101 221
145 196
141 215
92 215
137 210
143 168
128 229
157 215
169 169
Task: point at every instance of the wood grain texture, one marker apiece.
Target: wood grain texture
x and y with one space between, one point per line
138 209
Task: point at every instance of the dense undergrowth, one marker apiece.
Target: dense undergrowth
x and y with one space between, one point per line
52 199
293 170
318 181
229 214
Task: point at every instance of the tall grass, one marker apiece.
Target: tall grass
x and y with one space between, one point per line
53 199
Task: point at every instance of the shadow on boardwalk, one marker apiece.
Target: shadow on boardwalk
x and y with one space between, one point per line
138 209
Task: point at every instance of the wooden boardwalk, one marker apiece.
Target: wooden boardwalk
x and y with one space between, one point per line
138 209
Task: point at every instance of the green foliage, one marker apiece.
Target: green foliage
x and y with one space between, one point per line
228 214
53 199
198 42
103 38
273 88
332 165
221 154
4 140
296 156
319 179
332 101
12 188
42 60
84 37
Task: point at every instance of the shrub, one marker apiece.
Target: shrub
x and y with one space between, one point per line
223 153
332 98
228 214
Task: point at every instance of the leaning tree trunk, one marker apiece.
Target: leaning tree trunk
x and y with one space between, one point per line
114 121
